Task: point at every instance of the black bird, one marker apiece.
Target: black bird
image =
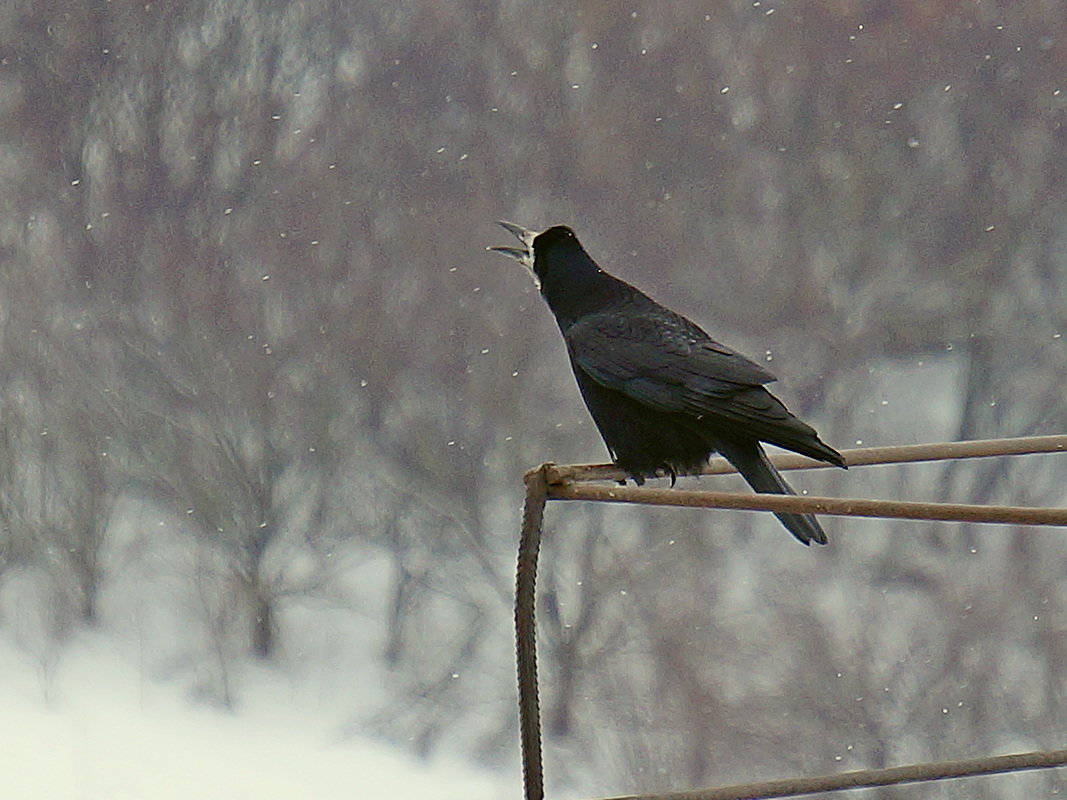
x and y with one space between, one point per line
664 395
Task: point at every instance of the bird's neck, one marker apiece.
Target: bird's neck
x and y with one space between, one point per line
585 291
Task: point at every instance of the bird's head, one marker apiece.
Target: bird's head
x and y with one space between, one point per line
538 250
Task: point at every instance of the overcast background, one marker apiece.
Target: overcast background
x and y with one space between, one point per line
266 401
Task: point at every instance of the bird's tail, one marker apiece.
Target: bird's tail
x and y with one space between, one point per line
756 468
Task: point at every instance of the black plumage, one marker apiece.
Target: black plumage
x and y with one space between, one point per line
664 395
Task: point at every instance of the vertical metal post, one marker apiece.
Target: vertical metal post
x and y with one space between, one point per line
526 635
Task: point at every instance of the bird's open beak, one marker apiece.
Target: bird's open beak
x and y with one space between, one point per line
524 254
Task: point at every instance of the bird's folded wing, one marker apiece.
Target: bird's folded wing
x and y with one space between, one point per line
667 364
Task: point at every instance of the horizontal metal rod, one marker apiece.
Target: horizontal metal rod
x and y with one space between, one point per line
833 506
861 456
868 779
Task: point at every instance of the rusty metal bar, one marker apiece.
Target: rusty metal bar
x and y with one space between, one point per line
526 634
870 778
862 456
833 506
568 483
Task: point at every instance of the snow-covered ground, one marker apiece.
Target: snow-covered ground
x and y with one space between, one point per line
96 729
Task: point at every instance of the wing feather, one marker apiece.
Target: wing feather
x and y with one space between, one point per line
669 363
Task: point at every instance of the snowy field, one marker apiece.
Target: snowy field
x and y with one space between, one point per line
96 730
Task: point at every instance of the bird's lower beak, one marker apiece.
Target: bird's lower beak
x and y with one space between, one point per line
524 254
514 252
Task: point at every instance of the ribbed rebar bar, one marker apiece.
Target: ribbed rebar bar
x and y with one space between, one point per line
870 778
568 482
856 457
526 634
801 504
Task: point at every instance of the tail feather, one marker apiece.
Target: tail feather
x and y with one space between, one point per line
756 468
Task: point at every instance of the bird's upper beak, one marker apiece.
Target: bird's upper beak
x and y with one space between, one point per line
524 255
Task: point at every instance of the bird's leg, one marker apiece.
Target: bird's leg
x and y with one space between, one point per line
672 472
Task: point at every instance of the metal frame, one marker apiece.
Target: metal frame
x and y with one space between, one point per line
551 482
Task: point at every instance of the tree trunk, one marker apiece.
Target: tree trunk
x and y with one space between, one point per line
263 629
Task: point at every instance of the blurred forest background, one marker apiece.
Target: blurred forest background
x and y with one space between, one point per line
266 397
